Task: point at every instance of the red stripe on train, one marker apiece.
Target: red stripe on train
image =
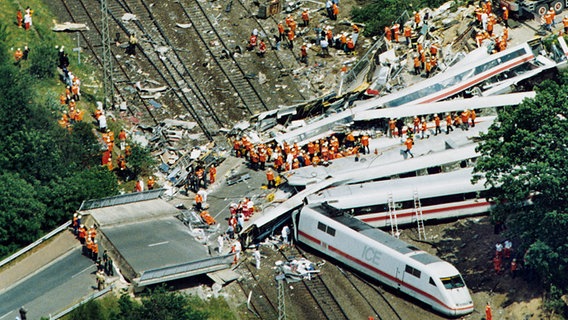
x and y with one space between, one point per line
429 211
375 270
472 82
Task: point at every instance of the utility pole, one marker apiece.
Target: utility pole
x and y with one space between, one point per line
108 83
281 297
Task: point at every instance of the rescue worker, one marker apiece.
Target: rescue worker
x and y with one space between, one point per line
505 17
388 34
409 143
334 11
472 116
18 55
497 264
252 42
198 202
304 54
488 314
256 255
280 31
19 18
565 23
465 119
407 34
132 41
306 18
392 126
437 123
396 32
261 48
449 123
416 19
285 234
291 39
236 249
514 268
428 67
100 280
212 174
548 19
270 178
350 46
82 234
424 129
151 183
95 250
365 143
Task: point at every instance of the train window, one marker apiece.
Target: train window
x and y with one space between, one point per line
327 229
453 282
331 231
432 282
412 271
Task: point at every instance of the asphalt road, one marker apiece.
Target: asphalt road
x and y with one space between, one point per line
53 288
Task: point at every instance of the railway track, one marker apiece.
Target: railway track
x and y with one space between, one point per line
93 36
222 55
170 63
263 306
383 309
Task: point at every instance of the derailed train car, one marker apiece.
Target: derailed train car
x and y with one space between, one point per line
385 258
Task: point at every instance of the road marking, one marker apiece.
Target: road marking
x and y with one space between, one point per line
87 268
7 314
158 243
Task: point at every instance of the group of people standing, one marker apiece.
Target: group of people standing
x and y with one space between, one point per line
24 20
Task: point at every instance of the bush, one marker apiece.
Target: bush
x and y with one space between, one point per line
42 61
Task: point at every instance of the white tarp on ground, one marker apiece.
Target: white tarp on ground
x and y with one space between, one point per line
70 26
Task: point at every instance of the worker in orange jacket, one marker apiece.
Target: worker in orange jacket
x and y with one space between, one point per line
388 34
198 202
19 18
95 250
261 48
151 182
212 173
335 11
270 178
488 313
437 123
449 123
565 23
409 143
306 18
365 143
505 17
407 34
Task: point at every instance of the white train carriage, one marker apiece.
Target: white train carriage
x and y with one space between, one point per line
441 196
378 255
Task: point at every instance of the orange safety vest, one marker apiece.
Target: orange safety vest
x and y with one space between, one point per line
408 143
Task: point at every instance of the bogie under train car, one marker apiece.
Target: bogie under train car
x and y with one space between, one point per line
383 257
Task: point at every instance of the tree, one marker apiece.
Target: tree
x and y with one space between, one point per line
524 156
140 161
21 213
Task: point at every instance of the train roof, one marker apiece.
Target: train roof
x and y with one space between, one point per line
374 234
373 167
402 189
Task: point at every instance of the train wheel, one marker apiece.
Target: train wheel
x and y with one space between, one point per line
541 10
558 6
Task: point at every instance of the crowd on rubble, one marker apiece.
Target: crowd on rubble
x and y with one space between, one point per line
90 248
324 37
487 19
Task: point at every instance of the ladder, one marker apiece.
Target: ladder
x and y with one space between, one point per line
392 216
419 217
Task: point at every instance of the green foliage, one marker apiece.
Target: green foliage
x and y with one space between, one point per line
4 37
380 13
42 60
141 161
21 213
157 304
525 155
553 302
